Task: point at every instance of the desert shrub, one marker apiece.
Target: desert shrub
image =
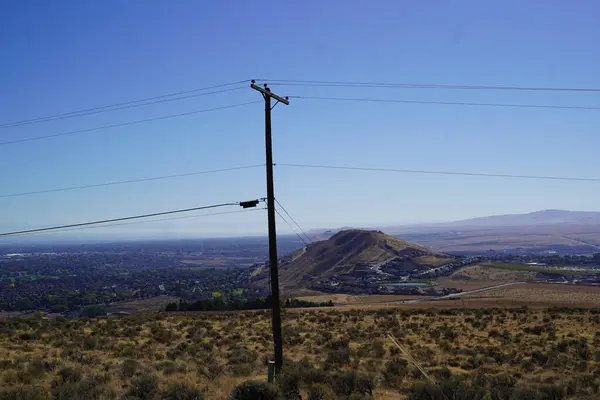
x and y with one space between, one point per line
143 387
527 365
37 367
241 369
254 390
162 335
584 383
170 368
289 384
456 388
129 368
23 393
320 391
131 331
10 377
87 359
28 336
180 391
67 375
90 342
240 355
337 358
88 388
343 384
338 344
394 372
378 349
366 384
552 392
304 373
7 364
212 370
542 393
441 373
494 333
346 384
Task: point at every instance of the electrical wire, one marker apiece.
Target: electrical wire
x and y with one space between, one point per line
293 220
156 214
291 227
291 82
134 105
416 171
453 103
121 105
156 220
128 123
153 178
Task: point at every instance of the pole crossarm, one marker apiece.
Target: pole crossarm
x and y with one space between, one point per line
266 91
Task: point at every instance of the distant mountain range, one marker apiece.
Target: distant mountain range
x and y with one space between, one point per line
545 217
546 230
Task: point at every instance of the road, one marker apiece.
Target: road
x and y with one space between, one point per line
581 242
449 296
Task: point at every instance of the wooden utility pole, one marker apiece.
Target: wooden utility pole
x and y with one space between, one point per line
276 315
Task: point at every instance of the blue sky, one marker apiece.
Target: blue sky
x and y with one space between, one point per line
68 55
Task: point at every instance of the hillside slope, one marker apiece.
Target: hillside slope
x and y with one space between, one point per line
351 254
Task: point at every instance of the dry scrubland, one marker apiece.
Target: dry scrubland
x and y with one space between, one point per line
360 299
569 295
331 354
491 274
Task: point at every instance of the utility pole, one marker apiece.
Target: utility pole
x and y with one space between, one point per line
276 314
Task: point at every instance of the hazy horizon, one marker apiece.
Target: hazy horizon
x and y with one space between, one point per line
92 235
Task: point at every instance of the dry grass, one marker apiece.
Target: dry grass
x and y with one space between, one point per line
570 295
432 260
488 273
214 351
352 299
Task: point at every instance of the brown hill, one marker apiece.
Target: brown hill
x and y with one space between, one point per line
351 253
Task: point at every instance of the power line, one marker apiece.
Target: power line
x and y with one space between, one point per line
454 103
131 106
159 220
415 171
293 220
291 227
154 178
291 82
53 228
127 123
121 105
